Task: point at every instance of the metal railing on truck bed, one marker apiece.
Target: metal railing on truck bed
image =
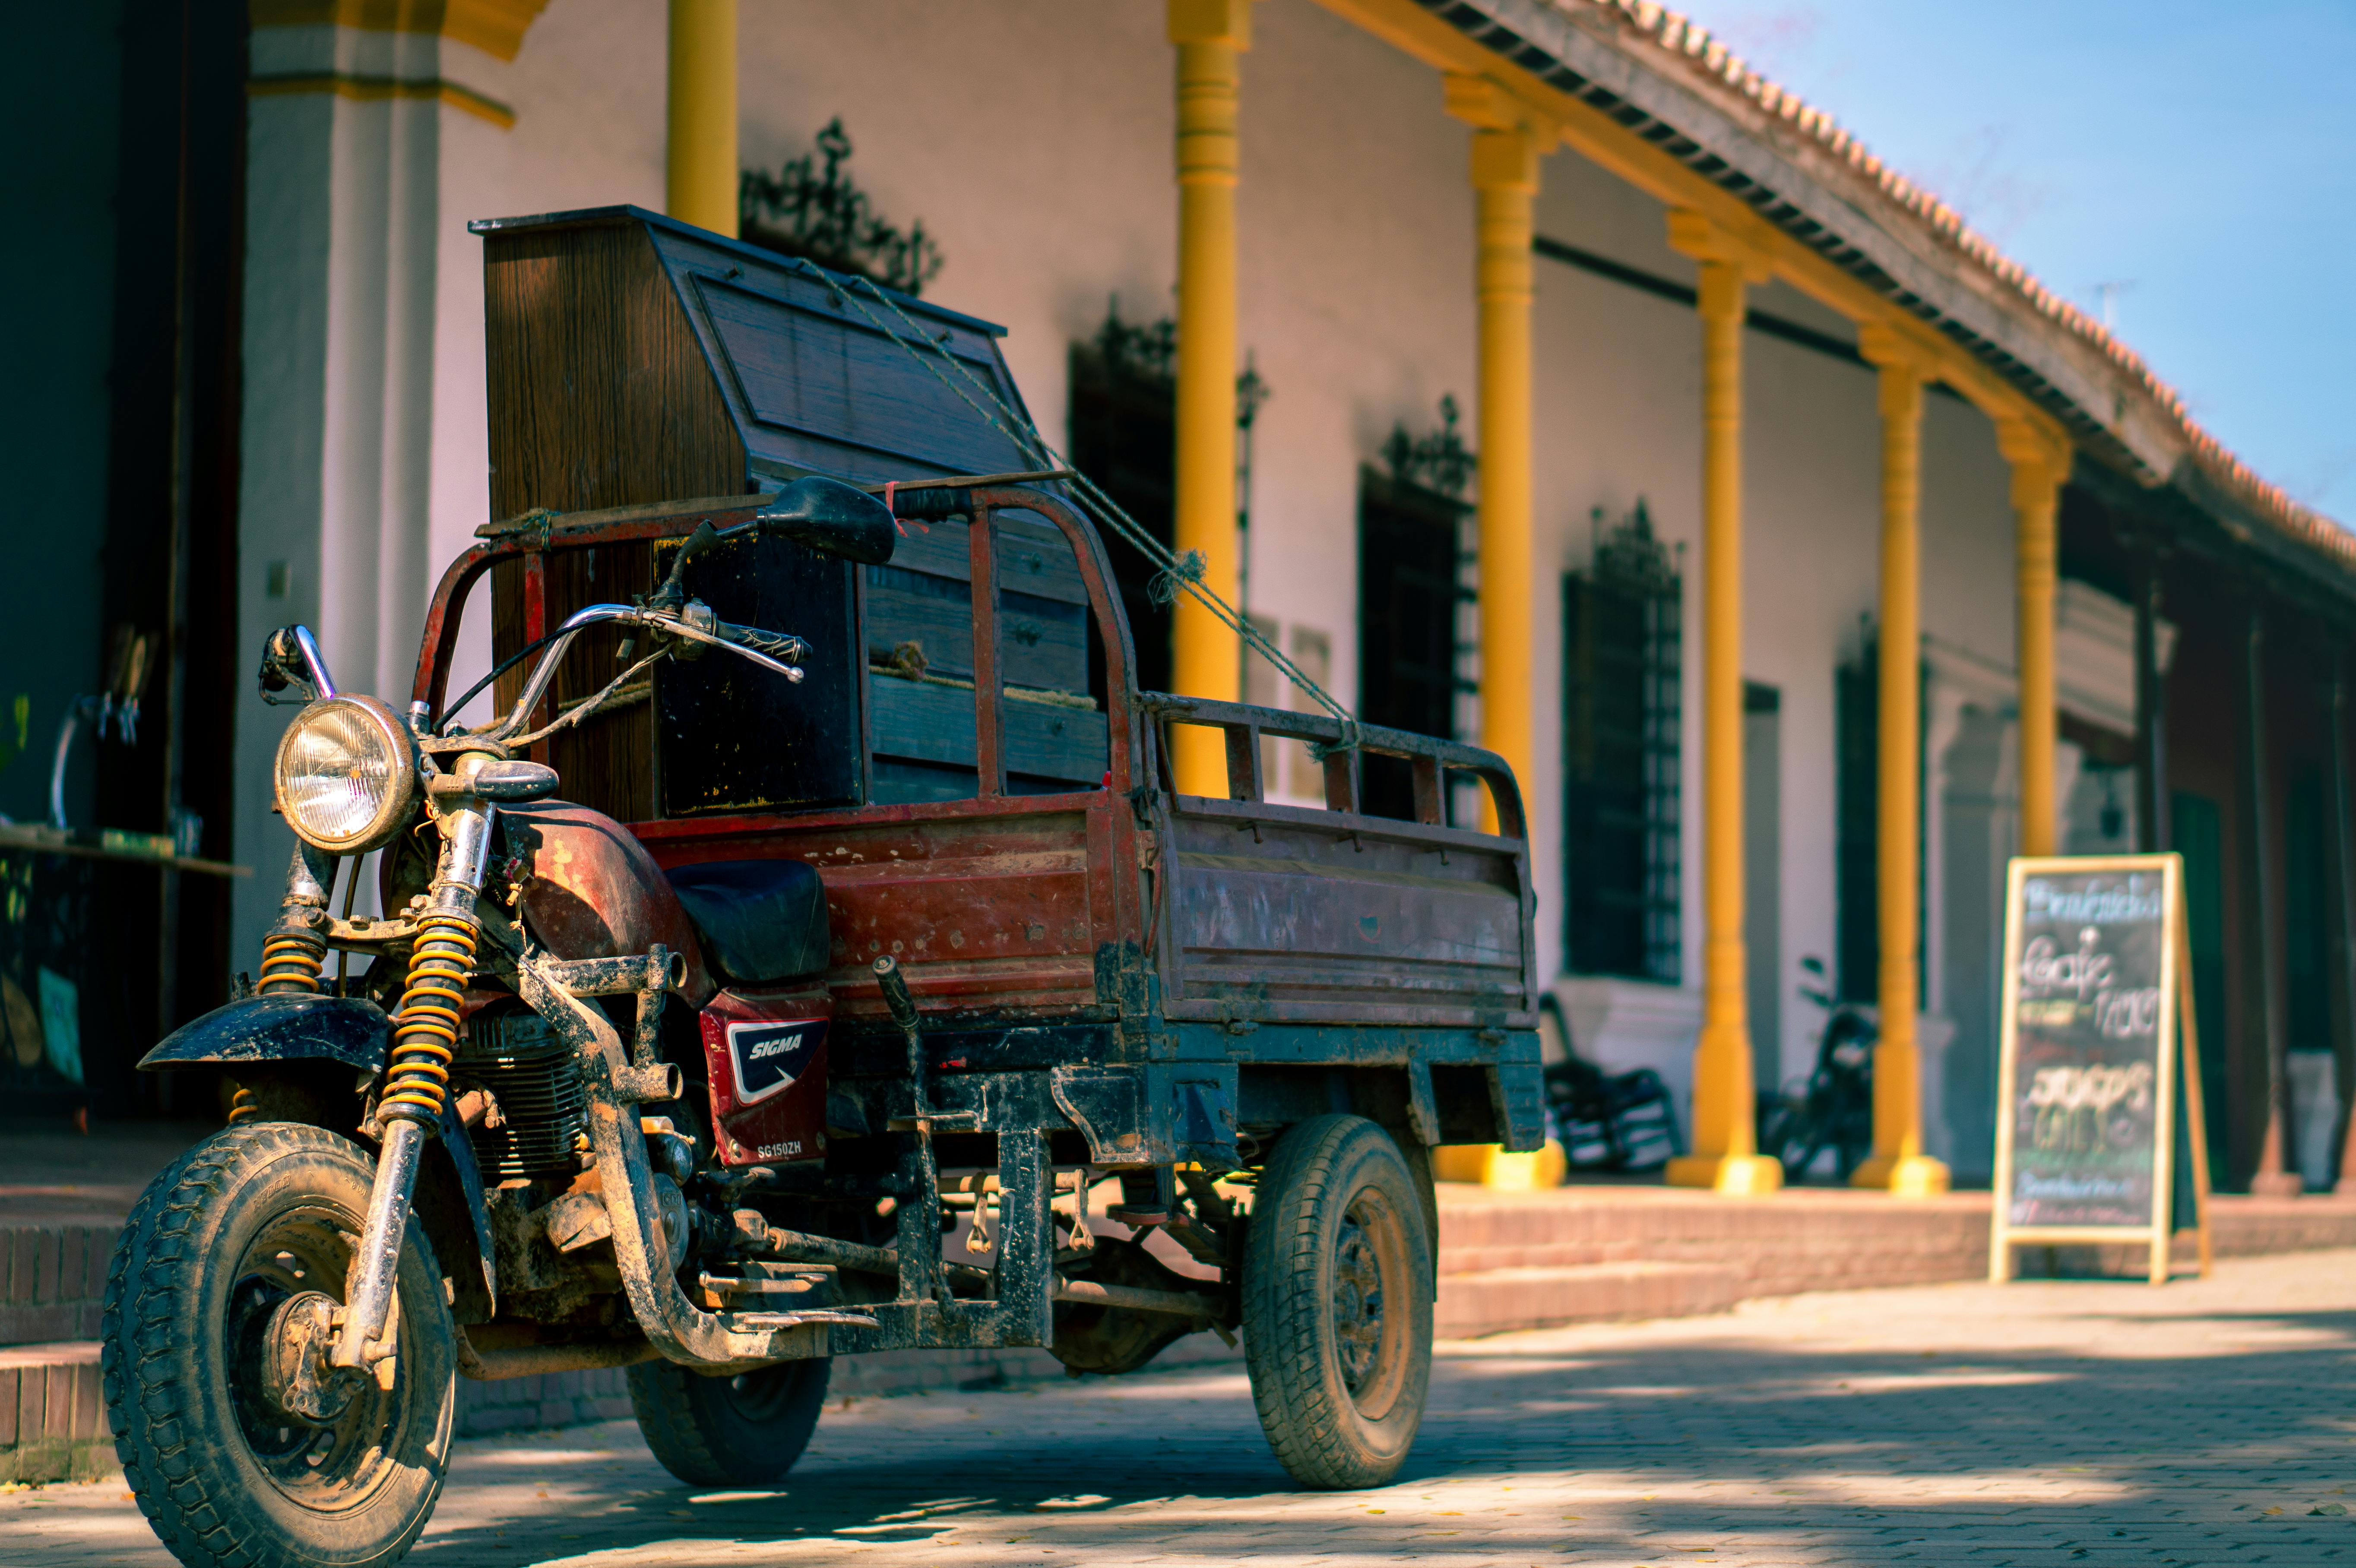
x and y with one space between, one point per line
1267 912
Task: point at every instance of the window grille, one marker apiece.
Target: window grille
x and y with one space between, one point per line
1622 712
1418 607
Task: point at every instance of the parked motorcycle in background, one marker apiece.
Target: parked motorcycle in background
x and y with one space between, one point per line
1832 1108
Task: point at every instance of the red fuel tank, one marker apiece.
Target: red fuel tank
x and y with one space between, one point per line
591 891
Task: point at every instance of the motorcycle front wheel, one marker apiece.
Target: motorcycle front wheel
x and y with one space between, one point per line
230 1244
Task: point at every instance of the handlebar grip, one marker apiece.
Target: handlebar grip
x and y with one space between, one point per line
931 506
782 646
894 986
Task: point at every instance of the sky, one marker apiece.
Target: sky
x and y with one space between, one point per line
2191 166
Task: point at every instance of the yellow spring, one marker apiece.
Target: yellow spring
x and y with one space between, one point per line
291 962
241 1107
425 1025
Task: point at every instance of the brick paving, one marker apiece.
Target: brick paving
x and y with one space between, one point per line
2047 1423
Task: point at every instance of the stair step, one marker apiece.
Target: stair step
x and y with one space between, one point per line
1497 1301
52 1426
52 1279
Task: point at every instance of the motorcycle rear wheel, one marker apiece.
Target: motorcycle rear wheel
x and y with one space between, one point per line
730 1430
251 1218
1337 1304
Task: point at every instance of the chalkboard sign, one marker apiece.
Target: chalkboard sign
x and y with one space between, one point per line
2095 996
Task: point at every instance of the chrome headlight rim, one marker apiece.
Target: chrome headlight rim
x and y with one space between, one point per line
401 801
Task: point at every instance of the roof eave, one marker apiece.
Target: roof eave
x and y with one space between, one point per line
1829 205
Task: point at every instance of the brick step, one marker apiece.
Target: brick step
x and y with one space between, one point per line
1552 1255
1770 1256
52 1425
1629 1229
1497 1301
52 1279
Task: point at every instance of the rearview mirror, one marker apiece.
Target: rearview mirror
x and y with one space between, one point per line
832 518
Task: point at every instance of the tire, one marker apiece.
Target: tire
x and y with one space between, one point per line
226 1477
728 1431
1337 1304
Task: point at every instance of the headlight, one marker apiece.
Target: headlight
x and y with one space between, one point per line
346 780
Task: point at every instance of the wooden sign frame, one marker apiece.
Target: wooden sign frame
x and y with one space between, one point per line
2177 1024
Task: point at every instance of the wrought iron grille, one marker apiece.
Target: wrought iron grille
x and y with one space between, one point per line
1622 712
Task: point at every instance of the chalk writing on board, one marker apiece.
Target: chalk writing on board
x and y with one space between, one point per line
2087 1014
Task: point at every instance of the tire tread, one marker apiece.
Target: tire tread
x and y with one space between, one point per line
679 1416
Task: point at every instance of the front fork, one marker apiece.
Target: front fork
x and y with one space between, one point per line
425 1029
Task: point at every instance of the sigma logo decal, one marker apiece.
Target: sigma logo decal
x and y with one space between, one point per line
768 1057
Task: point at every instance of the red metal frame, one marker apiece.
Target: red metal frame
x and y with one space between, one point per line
999 904
1026 888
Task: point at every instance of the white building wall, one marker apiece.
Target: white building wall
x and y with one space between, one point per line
282 468
1034 141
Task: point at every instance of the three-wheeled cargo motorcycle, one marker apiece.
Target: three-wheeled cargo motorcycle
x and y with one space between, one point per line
869 938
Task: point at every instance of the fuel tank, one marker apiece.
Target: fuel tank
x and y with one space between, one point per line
591 891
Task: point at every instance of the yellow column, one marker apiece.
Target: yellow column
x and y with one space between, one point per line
1726 1149
2041 461
1210 36
699 174
1507 143
1898 1162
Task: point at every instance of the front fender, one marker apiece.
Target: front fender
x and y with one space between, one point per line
348 1030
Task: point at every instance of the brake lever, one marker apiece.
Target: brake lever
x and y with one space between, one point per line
777 644
680 627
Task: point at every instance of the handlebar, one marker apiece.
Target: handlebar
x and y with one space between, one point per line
776 651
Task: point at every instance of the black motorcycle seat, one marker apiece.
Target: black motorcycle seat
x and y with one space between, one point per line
761 921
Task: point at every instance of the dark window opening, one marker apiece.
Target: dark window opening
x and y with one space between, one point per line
1409 590
2308 887
2198 830
1857 876
1623 624
1124 437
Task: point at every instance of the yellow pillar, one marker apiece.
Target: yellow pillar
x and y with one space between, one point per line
699 174
1898 1162
1726 1149
1507 143
2041 461
1210 36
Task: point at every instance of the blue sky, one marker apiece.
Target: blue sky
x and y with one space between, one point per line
2198 157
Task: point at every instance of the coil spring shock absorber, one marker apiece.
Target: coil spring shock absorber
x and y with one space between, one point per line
417 1066
291 962
425 1025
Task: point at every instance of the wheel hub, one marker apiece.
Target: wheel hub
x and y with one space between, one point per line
1357 1302
295 1376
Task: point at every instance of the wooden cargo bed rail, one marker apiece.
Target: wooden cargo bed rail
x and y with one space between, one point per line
1429 758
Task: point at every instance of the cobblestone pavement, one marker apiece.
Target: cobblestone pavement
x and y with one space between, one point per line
2042 1423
